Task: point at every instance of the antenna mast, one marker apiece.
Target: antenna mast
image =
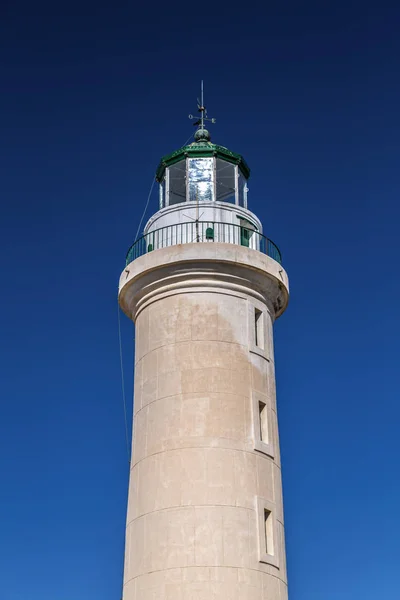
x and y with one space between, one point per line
201 107
202 135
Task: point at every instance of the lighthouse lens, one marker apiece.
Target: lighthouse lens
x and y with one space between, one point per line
201 179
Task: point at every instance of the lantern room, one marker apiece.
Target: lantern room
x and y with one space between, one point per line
203 172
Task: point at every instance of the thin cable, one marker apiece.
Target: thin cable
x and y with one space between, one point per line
119 323
189 138
123 382
145 209
149 196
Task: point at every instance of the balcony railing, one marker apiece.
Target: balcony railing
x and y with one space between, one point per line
202 231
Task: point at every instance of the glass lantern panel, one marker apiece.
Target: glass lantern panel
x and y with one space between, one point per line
201 179
242 184
162 194
226 181
177 183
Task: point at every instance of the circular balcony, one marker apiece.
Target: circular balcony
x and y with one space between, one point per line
202 232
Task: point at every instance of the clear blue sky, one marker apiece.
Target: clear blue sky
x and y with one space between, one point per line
91 96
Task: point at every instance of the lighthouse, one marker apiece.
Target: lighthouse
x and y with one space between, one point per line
204 286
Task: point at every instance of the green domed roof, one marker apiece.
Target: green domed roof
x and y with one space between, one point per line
199 150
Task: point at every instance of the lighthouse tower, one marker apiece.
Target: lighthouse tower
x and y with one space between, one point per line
204 287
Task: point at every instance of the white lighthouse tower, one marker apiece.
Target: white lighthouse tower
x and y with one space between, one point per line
204 287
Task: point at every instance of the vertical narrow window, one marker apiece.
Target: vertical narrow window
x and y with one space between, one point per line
262 423
259 328
263 413
269 532
258 331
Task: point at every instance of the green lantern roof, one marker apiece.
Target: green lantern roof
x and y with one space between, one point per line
200 150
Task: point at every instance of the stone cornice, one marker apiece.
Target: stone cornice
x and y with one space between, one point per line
191 268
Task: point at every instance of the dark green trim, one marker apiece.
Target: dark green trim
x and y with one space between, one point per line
202 150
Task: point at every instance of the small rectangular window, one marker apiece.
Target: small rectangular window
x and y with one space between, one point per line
269 534
267 531
259 328
263 412
262 423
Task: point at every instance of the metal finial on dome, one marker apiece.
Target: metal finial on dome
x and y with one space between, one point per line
202 135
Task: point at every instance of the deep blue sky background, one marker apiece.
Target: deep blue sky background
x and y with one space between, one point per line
91 96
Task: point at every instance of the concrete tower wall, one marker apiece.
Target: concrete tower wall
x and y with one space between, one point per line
205 511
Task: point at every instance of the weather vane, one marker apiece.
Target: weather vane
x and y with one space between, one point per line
203 112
